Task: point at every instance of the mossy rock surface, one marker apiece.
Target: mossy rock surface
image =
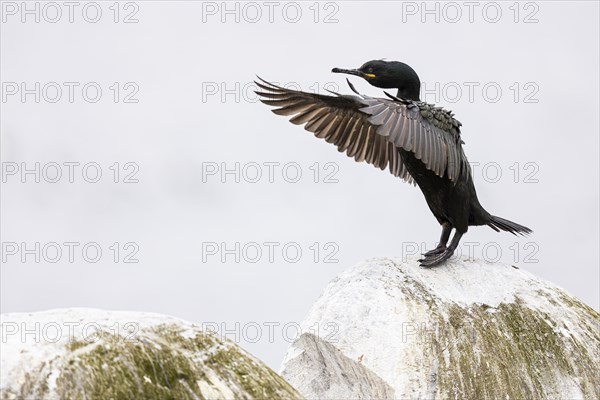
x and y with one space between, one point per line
92 354
464 330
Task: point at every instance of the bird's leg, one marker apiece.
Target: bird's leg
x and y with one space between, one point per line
446 229
435 259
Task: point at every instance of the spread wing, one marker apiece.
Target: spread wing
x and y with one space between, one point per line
373 130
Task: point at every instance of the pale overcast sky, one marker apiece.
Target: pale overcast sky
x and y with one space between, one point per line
157 97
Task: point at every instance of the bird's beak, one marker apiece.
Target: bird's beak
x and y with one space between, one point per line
356 72
348 71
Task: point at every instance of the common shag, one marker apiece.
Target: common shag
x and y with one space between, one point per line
419 142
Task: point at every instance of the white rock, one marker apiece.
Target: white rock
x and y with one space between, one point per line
465 330
95 354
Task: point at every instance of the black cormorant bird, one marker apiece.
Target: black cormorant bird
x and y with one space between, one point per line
419 143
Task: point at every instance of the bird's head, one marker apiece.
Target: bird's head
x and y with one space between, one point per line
388 75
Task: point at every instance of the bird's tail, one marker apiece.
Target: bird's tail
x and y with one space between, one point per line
498 224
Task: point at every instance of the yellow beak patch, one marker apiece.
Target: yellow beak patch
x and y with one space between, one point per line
370 75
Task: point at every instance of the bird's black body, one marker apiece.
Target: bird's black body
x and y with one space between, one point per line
447 201
419 142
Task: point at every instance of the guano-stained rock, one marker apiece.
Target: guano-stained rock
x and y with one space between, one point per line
93 354
463 330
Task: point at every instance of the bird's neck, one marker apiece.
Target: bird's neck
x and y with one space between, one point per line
409 93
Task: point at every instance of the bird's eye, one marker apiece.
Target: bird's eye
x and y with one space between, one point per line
370 70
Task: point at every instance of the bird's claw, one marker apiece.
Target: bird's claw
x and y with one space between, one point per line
435 251
431 260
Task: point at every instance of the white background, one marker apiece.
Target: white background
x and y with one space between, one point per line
179 52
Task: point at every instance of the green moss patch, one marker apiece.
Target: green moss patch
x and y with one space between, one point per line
160 364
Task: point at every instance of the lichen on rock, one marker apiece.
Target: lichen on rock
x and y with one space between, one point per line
156 357
465 330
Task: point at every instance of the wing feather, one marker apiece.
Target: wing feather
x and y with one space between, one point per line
328 129
389 126
350 135
398 133
306 116
425 145
363 147
373 152
357 142
375 130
